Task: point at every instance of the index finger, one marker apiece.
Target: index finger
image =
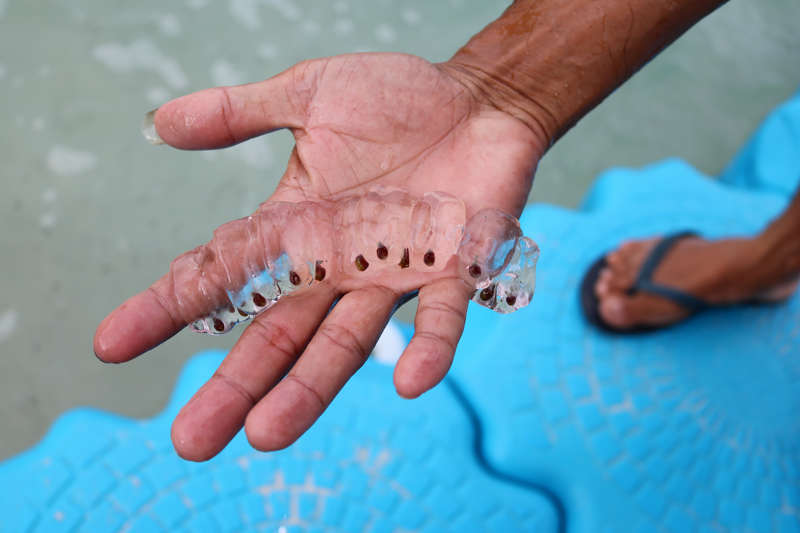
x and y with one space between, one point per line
198 283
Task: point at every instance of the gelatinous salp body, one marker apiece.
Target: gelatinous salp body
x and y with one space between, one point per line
284 247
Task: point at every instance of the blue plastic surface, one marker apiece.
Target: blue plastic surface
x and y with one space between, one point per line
373 462
692 428
544 424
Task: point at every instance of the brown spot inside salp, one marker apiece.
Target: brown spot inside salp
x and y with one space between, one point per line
474 270
405 261
511 299
361 263
487 293
294 277
219 325
241 312
259 299
319 271
429 258
382 252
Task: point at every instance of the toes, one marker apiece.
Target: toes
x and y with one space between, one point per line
626 247
615 259
614 311
603 285
626 312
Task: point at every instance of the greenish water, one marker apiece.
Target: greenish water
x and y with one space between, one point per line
92 214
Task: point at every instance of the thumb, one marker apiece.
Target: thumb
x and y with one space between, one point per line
223 116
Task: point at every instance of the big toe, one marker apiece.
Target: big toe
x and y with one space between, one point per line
624 312
615 312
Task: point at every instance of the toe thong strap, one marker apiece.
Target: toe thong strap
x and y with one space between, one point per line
644 281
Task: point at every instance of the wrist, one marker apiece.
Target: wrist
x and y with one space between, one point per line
489 90
548 62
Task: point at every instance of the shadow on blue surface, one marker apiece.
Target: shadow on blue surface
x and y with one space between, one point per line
693 428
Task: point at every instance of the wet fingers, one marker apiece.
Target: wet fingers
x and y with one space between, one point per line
262 355
438 326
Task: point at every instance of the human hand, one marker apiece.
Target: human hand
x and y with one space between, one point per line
359 121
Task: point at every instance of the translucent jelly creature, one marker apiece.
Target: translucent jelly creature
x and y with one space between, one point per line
499 260
353 241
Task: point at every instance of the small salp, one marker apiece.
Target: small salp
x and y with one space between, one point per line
253 262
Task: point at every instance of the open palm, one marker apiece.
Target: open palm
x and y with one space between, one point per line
359 121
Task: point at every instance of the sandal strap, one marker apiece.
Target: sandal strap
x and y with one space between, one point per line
644 281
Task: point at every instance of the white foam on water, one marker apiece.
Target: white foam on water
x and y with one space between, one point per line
49 195
254 153
411 16
267 51
169 24
197 4
245 12
38 124
287 8
385 33
47 221
157 95
225 73
8 323
3 4
310 26
69 162
343 27
141 54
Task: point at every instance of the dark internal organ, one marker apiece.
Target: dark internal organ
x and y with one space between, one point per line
382 252
429 258
361 263
381 233
405 262
499 261
319 271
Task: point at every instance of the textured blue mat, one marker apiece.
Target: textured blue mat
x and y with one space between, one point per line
544 424
373 462
694 428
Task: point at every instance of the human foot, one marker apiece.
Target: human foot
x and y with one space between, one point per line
720 272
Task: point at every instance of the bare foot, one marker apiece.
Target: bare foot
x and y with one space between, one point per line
720 272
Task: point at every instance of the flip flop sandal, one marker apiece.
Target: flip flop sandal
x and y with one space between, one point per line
643 283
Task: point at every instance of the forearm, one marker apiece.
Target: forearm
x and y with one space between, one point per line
548 62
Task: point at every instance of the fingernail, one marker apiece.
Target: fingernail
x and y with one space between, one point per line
149 129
